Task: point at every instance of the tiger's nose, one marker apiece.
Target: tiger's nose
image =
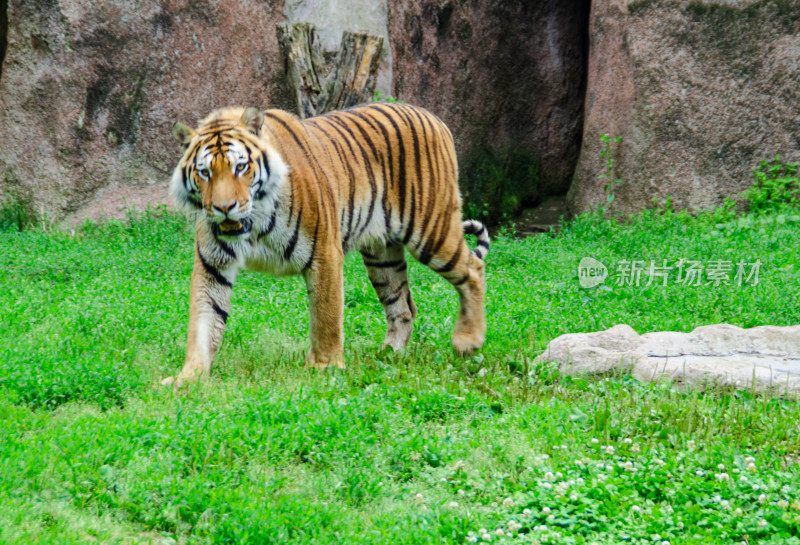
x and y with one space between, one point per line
225 207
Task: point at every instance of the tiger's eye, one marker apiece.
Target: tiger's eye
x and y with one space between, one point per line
204 173
240 168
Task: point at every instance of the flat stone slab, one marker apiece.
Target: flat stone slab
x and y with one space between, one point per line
761 358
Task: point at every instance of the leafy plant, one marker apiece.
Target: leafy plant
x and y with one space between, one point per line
378 97
607 155
775 184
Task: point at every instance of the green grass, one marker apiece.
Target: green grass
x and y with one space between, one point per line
416 447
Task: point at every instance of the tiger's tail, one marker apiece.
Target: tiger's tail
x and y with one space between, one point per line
474 227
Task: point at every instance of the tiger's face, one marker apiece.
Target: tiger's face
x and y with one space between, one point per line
225 170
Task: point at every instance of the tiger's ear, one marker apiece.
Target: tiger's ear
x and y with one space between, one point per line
252 118
182 133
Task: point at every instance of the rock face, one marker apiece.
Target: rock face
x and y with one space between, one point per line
700 91
761 358
507 77
89 90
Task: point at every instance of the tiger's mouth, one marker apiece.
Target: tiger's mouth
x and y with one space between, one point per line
232 229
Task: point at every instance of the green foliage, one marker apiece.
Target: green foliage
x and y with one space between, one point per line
415 447
378 97
607 156
496 185
16 212
775 184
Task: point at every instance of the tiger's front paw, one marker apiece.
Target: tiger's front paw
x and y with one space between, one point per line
183 378
321 362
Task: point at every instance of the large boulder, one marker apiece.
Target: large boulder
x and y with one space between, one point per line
509 80
700 91
90 89
765 358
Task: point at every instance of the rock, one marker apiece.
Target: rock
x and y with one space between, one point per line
90 90
762 358
507 78
700 92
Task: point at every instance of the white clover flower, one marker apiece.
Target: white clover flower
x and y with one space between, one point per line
785 489
573 497
609 450
636 448
751 466
783 504
627 440
762 498
493 505
742 479
628 466
508 502
419 498
659 462
472 539
636 509
526 512
721 467
699 473
579 481
609 468
690 444
549 476
500 532
717 498
749 460
738 512
559 475
722 476
579 463
656 537
460 492
551 518
546 485
514 526
546 510
486 537
483 531
540 528
665 542
452 505
594 441
755 487
601 477
545 456
725 504
762 522
680 524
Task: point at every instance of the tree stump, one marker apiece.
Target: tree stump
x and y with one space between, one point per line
351 79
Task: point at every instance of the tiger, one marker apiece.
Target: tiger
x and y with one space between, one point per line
274 193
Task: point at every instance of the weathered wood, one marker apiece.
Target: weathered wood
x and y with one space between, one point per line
352 77
355 72
302 61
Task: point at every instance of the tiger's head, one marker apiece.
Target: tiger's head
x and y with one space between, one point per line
229 171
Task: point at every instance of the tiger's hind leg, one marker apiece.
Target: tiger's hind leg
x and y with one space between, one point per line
386 268
464 269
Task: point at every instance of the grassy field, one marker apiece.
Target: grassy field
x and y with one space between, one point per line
416 447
